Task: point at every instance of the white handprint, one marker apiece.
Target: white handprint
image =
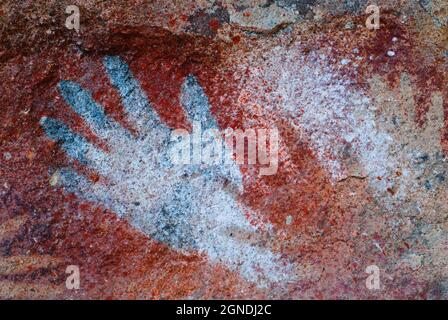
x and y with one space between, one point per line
355 135
186 207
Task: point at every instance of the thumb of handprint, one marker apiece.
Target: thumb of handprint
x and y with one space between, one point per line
188 207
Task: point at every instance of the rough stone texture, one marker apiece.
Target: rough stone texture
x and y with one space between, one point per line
362 176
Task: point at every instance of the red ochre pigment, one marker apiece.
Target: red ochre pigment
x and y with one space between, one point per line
115 260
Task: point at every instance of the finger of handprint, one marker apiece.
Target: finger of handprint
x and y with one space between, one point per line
406 111
197 106
134 100
84 105
76 146
196 103
435 116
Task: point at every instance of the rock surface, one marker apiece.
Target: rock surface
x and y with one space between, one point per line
362 178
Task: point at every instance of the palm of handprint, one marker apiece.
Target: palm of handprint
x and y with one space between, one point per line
186 207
